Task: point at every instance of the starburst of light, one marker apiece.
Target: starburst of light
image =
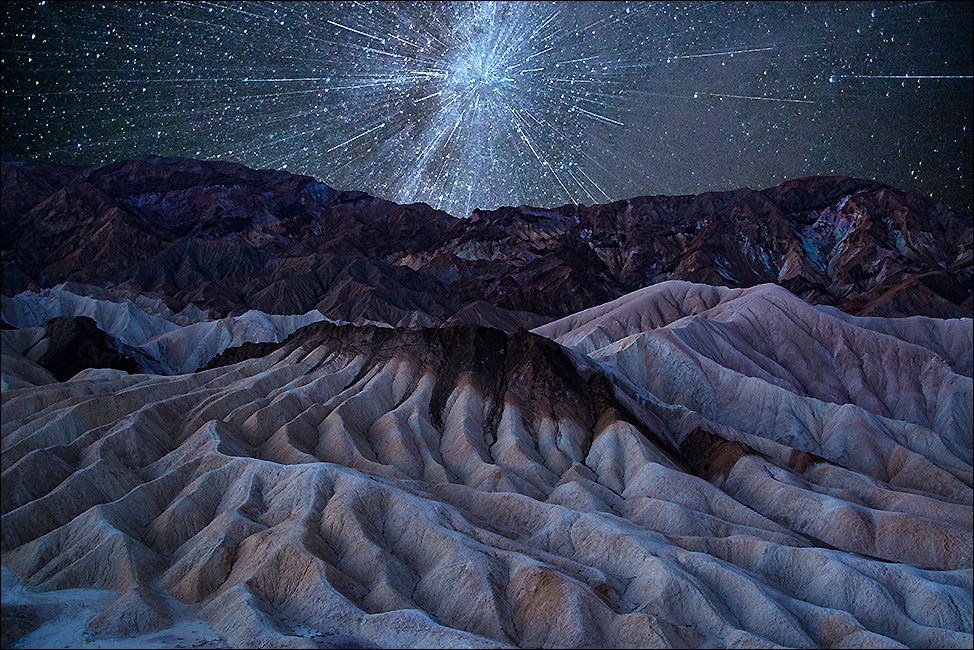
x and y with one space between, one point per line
483 104
458 103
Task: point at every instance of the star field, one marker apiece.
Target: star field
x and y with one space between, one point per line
481 104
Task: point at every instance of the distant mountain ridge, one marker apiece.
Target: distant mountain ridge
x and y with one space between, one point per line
228 239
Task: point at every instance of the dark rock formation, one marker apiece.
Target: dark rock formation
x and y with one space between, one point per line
74 344
229 238
15 622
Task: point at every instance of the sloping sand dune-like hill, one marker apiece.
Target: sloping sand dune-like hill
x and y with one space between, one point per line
160 344
687 466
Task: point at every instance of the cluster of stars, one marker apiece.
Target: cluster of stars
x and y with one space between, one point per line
481 104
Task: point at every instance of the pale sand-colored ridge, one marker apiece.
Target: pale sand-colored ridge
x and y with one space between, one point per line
709 467
164 346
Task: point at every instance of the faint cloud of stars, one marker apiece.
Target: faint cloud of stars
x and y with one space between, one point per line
481 104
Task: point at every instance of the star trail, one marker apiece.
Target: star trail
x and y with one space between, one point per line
481 104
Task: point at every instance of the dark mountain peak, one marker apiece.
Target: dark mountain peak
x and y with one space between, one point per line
816 192
157 174
231 238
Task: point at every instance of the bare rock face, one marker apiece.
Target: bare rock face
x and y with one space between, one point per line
170 344
138 611
17 621
225 239
688 466
63 347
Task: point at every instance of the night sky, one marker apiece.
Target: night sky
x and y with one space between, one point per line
466 105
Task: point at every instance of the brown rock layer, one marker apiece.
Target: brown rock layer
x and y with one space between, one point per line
227 238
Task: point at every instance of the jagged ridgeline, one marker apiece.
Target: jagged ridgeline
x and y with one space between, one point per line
224 238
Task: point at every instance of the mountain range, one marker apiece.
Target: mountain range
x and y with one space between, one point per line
226 239
241 408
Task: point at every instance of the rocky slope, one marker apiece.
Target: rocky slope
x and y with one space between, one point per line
220 237
695 466
59 350
243 408
154 343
